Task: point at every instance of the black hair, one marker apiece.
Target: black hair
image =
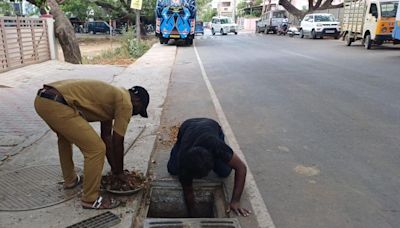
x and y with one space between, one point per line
197 162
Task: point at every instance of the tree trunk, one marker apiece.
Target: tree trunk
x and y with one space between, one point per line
65 34
292 9
311 7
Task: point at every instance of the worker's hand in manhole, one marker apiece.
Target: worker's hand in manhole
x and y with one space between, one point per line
235 207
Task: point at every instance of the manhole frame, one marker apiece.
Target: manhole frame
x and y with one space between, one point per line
220 204
72 192
191 222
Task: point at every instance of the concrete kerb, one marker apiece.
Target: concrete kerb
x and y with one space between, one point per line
152 71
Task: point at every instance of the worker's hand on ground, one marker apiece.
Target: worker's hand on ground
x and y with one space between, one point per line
235 207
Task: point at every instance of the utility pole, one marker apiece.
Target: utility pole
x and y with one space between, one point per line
234 11
138 25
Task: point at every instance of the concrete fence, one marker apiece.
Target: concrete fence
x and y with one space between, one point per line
25 41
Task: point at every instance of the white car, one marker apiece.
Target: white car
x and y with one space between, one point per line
223 25
319 25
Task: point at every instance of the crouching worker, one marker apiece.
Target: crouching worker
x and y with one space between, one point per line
200 148
67 107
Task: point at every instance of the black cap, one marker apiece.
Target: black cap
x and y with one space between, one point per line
144 98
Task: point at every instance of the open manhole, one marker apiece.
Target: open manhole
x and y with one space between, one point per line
165 206
33 188
166 200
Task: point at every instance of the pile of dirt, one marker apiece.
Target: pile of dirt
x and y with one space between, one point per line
134 180
172 134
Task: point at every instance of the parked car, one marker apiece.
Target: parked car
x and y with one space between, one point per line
270 21
98 27
199 28
293 31
319 25
223 25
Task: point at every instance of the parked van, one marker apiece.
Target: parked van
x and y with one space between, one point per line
270 21
371 21
223 25
98 27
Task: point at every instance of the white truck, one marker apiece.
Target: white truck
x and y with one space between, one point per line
371 21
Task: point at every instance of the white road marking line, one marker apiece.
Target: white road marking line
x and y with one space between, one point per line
260 210
301 55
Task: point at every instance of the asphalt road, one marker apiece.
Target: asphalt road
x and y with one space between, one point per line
318 123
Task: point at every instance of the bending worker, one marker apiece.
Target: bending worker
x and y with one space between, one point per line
67 107
200 148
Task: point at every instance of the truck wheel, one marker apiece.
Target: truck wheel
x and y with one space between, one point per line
257 29
348 39
301 34
367 41
212 31
222 32
266 31
313 35
235 33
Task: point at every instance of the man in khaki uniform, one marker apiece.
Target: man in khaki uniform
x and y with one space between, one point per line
68 106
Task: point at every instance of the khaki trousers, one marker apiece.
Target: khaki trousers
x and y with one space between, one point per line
71 128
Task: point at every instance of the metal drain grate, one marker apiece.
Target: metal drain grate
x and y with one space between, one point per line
192 223
33 188
104 220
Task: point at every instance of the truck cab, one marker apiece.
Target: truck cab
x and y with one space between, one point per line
379 21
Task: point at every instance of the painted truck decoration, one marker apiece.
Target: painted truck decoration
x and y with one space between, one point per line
396 31
175 19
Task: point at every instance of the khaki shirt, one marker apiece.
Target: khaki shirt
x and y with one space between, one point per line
97 101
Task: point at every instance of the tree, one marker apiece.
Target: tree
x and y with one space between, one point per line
122 9
312 6
208 14
63 30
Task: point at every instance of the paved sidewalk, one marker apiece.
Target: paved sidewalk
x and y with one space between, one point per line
26 140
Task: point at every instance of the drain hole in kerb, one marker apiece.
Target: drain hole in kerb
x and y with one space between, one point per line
167 201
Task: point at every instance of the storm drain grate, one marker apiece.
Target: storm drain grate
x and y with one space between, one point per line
33 188
192 223
104 220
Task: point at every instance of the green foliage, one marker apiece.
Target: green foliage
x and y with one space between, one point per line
208 14
258 2
77 8
6 9
202 3
131 46
241 5
130 49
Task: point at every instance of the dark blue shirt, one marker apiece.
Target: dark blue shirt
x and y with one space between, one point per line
201 132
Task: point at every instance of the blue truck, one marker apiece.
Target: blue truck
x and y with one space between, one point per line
176 19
